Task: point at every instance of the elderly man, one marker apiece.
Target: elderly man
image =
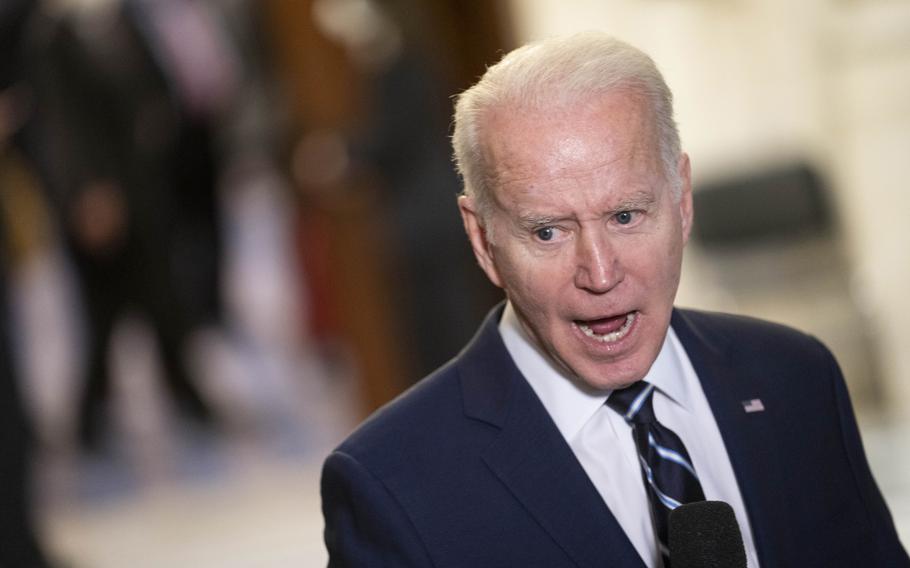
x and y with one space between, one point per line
587 408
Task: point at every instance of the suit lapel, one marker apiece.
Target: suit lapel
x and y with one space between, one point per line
748 436
531 458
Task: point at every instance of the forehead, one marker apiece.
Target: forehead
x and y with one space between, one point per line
594 149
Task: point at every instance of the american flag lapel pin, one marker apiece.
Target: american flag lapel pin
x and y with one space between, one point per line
754 405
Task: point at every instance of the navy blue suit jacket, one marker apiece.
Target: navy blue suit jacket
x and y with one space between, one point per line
467 468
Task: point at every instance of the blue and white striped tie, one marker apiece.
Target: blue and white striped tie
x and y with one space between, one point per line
668 473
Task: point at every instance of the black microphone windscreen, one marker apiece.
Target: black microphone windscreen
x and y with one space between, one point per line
705 534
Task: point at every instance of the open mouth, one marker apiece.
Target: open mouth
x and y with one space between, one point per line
607 330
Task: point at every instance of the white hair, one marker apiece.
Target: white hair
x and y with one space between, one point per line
553 74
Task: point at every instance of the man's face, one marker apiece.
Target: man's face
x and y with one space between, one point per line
587 237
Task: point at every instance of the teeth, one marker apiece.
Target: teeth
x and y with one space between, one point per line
612 336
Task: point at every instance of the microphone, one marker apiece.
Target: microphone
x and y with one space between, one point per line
705 534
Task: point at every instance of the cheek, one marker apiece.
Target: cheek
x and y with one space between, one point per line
664 269
536 282
655 264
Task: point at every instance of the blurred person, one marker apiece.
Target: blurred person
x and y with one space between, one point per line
19 546
403 145
587 407
128 94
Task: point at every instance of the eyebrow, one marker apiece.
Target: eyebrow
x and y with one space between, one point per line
638 200
533 221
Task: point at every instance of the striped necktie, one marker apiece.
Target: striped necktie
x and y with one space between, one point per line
668 473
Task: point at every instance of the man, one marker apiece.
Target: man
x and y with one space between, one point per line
125 150
587 407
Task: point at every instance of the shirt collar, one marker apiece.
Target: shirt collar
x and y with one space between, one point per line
666 373
569 401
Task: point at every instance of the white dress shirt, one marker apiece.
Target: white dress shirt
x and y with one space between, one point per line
602 440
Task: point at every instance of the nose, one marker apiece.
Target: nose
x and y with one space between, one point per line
598 268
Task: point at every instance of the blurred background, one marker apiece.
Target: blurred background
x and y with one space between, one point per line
228 232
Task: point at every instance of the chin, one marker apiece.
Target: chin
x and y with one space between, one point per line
614 375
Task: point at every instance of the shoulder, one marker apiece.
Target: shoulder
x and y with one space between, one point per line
413 419
720 323
745 336
445 414
754 351
374 485
419 453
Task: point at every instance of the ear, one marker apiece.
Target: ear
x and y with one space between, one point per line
477 235
684 170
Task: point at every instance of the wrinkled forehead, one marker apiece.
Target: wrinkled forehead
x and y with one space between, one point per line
610 134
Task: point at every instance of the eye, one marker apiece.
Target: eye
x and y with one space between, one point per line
624 217
545 233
